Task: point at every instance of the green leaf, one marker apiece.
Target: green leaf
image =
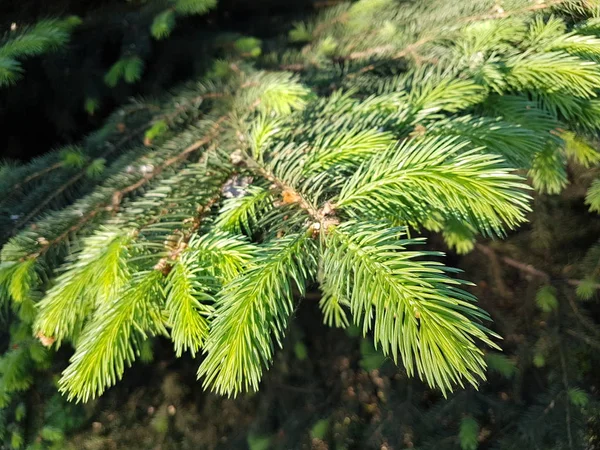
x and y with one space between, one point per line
553 71
20 412
157 129
190 7
248 46
96 168
15 369
51 434
459 236
24 278
224 256
416 311
274 92
333 306
371 359
419 177
545 299
72 157
241 214
319 429
548 172
188 304
501 363
515 142
432 92
578 397
16 440
586 288
91 279
146 352
300 33
468 434
580 151
163 24
300 351
539 360
91 105
133 67
258 442
327 46
347 148
10 71
115 73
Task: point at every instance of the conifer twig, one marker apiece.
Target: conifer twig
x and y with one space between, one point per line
71 181
120 193
291 194
37 174
169 118
163 264
410 48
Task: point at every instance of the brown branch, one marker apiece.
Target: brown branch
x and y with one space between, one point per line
37 174
528 268
290 194
496 271
48 200
523 267
565 381
118 195
411 48
165 263
585 322
588 340
71 181
64 235
169 118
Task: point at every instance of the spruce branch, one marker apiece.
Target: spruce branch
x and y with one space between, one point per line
421 176
117 195
415 310
75 178
253 311
169 119
110 342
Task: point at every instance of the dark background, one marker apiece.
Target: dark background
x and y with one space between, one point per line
45 109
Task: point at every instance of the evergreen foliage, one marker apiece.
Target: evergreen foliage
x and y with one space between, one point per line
23 42
163 13
243 191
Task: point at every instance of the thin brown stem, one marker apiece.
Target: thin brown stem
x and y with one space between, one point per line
118 195
496 271
291 195
585 322
74 179
588 340
523 267
169 118
165 264
37 174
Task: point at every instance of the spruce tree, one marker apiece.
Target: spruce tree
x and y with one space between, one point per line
317 167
